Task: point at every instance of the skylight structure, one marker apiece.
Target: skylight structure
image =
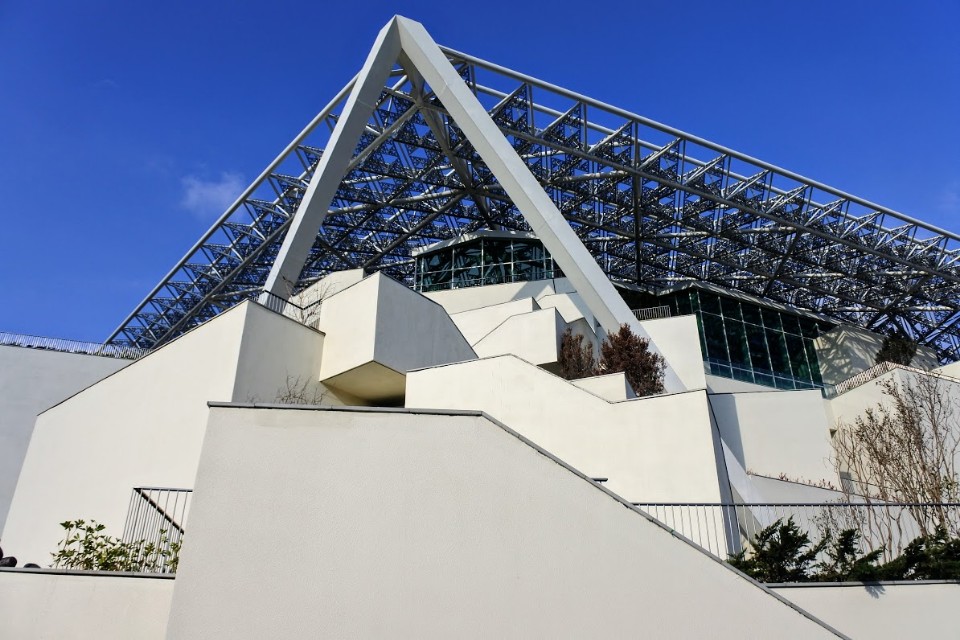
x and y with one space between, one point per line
655 207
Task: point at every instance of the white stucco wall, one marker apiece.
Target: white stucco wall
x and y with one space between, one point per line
32 380
477 323
881 611
612 387
83 607
460 300
678 341
777 432
654 449
534 337
376 330
846 351
429 526
143 426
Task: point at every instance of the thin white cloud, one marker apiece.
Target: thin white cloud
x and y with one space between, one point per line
210 198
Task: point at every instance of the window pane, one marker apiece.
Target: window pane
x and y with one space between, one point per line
709 303
791 324
731 308
716 341
813 361
756 339
777 346
771 319
798 357
751 313
737 343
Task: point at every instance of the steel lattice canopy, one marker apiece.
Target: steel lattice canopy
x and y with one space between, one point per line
655 206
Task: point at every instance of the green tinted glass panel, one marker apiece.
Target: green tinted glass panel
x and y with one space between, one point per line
709 303
813 361
809 328
751 313
771 319
731 308
757 341
715 338
791 323
779 361
495 251
737 343
798 357
467 255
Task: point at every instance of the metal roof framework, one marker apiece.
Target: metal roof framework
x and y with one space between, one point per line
654 205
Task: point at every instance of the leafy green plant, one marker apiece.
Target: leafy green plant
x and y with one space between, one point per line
780 553
931 557
844 563
86 546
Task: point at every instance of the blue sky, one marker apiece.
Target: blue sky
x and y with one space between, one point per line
125 127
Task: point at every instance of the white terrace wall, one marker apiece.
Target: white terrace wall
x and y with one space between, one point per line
477 323
846 351
368 524
678 340
378 329
459 300
777 432
32 380
884 610
534 337
83 606
654 449
143 426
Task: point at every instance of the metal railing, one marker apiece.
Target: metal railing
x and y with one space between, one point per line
652 313
724 529
874 372
308 315
71 346
157 516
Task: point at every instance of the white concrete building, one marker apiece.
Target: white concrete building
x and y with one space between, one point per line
387 450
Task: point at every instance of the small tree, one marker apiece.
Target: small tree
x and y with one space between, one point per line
627 352
897 348
780 553
904 450
576 357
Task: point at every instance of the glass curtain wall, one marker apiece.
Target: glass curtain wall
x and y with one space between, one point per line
744 341
484 261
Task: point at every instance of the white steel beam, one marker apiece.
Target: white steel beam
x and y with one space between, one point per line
333 164
548 224
425 59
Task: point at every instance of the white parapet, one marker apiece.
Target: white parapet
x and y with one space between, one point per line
533 336
654 449
143 425
378 329
474 324
419 525
778 432
101 606
32 380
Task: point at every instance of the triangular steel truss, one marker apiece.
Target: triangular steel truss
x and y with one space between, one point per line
655 206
